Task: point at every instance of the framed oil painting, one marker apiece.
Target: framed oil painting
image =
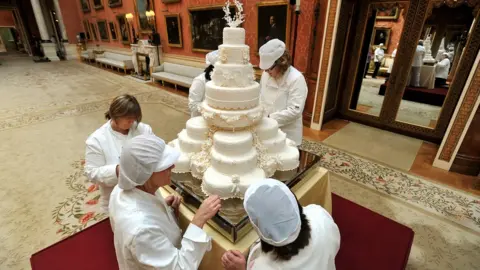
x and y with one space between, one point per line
388 13
113 30
114 3
98 4
94 31
381 35
174 30
86 26
207 25
102 30
85 5
273 22
123 29
141 7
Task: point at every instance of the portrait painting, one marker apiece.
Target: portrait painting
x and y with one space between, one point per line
97 4
86 26
207 25
388 13
102 30
123 30
94 31
85 5
142 6
381 35
174 30
114 3
273 22
113 30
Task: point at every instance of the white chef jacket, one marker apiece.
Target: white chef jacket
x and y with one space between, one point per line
379 54
102 155
319 254
284 100
394 53
418 57
196 94
442 68
147 236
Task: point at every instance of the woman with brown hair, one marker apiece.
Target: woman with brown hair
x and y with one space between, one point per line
104 146
283 89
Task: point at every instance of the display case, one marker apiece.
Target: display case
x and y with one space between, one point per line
232 220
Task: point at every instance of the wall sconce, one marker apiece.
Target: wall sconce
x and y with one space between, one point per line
129 17
150 16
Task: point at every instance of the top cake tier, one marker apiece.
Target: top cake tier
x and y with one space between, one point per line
233 36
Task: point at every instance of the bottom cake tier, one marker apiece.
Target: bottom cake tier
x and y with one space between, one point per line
229 186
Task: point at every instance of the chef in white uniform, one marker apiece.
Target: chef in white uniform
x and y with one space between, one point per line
417 64
283 89
196 93
442 69
104 146
291 236
146 232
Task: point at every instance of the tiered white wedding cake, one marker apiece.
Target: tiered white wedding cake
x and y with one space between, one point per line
232 145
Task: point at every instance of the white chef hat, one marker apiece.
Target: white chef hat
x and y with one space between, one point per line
141 157
273 211
211 58
270 52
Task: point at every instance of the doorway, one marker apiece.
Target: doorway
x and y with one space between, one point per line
402 65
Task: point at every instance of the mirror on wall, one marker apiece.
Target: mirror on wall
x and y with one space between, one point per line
435 61
384 29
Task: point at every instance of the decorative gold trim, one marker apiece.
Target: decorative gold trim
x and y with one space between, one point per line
288 22
179 23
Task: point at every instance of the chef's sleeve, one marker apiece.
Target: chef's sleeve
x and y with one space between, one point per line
295 103
95 168
145 129
153 250
196 95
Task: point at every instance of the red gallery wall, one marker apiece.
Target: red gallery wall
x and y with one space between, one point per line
303 40
6 18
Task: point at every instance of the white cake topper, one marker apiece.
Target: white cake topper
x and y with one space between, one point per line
239 17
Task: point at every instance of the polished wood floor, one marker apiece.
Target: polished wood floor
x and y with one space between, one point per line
422 165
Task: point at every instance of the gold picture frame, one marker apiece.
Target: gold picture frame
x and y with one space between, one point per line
174 30
103 30
141 7
123 30
388 14
88 33
98 4
377 36
207 39
113 30
85 5
264 11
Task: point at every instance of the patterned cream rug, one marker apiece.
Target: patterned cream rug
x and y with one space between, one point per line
45 196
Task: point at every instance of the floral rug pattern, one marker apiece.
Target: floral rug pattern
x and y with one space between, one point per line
80 210
454 205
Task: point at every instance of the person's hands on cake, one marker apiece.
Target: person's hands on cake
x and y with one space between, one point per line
174 202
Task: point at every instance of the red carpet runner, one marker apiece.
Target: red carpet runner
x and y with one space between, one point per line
369 241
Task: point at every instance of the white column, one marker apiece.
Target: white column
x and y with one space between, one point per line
60 19
42 27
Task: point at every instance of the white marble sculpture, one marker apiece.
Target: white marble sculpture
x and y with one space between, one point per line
428 59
